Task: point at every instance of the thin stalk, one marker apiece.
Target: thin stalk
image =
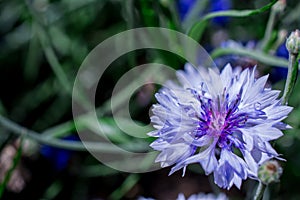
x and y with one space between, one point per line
40 29
71 145
63 128
38 25
198 28
32 65
52 59
268 33
291 77
257 55
259 191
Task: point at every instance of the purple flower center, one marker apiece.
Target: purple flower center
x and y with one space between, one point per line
219 119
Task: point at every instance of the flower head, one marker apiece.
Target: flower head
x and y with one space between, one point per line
223 121
202 196
58 157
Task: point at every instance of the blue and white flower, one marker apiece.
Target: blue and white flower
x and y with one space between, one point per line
202 196
223 121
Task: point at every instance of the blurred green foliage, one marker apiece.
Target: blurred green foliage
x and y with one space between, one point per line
44 42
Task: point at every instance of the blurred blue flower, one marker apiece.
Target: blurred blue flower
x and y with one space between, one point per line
280 73
220 5
58 157
282 51
202 196
277 73
236 60
222 121
185 6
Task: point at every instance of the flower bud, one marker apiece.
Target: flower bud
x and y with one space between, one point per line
269 172
293 42
279 6
282 35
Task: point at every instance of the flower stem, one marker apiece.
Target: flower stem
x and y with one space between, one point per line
268 33
291 77
255 54
260 191
276 10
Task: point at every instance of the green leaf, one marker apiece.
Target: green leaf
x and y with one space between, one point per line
198 28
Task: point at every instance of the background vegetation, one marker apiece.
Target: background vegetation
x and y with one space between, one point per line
44 42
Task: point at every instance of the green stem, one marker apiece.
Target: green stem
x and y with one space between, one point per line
198 28
268 33
71 145
63 128
291 77
52 59
260 191
256 55
40 29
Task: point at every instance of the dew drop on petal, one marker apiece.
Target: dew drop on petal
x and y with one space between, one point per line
257 106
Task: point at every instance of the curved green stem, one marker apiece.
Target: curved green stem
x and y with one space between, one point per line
198 28
71 145
268 33
257 55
